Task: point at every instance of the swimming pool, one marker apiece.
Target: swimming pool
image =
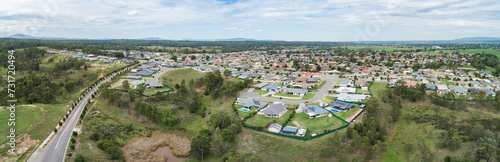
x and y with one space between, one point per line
335 110
243 109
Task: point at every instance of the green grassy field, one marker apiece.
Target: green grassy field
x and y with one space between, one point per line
474 51
37 121
316 125
308 96
377 88
260 92
152 91
345 114
261 120
175 77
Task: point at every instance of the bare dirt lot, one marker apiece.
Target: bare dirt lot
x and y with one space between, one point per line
143 148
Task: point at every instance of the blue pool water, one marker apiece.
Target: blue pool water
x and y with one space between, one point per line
243 109
335 110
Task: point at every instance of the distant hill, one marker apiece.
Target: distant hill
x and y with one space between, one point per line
24 36
21 36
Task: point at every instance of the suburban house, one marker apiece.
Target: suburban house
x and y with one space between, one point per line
156 85
314 111
339 105
312 80
360 83
488 92
133 77
459 90
351 97
298 92
346 83
461 83
250 103
274 110
303 85
474 90
430 86
442 89
346 90
271 87
145 73
260 85
275 127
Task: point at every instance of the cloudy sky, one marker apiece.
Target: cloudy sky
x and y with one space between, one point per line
292 20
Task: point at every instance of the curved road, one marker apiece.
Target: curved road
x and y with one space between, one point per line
322 92
55 151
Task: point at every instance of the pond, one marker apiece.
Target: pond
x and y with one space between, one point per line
167 152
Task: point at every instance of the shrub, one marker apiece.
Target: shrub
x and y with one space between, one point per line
55 130
94 136
73 140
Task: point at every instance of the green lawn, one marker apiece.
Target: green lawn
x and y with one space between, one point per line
245 114
449 83
328 99
176 76
345 114
317 125
308 96
260 92
152 91
358 90
377 88
320 85
261 120
286 95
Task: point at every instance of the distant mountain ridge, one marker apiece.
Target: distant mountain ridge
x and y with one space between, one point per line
24 36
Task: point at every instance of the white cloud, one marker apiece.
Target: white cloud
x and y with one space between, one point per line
31 15
133 13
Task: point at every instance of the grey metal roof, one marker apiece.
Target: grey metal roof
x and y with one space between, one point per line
290 130
274 109
341 105
251 103
301 91
315 109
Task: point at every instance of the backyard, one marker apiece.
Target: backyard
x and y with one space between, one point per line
261 120
316 125
345 114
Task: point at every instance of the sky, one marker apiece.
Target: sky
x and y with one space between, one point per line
290 20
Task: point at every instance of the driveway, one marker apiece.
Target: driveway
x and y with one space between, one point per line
322 92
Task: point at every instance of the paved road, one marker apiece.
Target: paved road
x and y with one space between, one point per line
156 77
55 151
322 92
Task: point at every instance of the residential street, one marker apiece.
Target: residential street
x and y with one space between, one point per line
322 92
55 151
